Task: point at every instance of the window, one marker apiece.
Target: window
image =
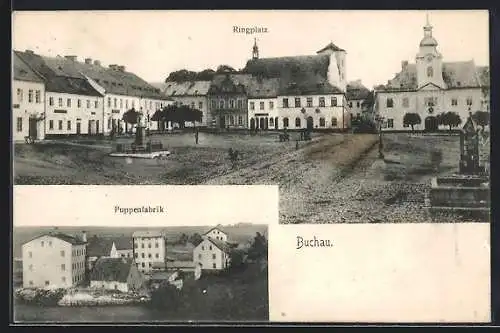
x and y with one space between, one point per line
149 245
469 100
285 122
390 123
121 103
51 124
19 124
240 104
137 255
142 255
334 122
309 102
59 102
389 103
37 97
63 267
88 104
31 267
252 105
271 122
210 247
231 104
214 266
60 125
199 256
321 122
19 95
221 104
156 244
454 102
133 104
322 102
214 104
297 122
115 102
334 101
157 255
297 102
109 102
143 265
51 101
231 120
30 96
149 255
96 104
430 101
69 125
357 104
240 120
285 102
261 106
214 256
68 102
200 105
30 254
62 253
203 248
350 104
430 71
406 102
150 265
142 245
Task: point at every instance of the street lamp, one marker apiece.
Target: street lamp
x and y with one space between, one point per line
380 120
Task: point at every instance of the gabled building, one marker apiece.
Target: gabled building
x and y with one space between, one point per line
263 103
72 105
212 254
359 103
311 89
431 86
114 247
216 233
116 274
28 102
54 260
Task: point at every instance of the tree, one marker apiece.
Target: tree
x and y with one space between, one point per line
195 239
225 69
411 119
182 75
205 75
258 249
183 239
482 118
450 119
181 114
131 116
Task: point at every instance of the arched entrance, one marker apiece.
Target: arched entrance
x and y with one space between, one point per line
431 124
262 123
222 122
310 123
266 123
252 124
276 123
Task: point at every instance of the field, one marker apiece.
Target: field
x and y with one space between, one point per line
335 178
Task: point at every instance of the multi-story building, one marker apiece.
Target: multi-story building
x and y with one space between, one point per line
216 233
212 254
149 248
263 103
193 94
228 102
28 102
430 87
358 100
54 260
311 88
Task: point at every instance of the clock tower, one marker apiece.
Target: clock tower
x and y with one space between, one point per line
429 61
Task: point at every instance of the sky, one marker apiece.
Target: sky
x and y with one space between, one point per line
152 44
183 205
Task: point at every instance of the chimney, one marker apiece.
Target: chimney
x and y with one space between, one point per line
404 64
84 236
29 51
121 68
97 63
88 61
70 57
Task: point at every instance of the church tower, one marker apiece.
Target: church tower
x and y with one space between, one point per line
255 50
429 61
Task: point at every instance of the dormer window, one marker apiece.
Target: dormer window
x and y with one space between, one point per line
430 71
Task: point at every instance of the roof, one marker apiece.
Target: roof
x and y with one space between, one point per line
160 275
299 75
147 233
111 269
192 88
463 74
484 75
356 90
114 81
218 227
332 47
22 72
227 83
223 246
180 264
101 246
263 87
64 237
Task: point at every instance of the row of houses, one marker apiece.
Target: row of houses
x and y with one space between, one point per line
64 96
58 260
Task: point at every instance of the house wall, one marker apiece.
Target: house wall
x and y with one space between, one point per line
217 234
334 115
49 261
110 285
204 254
62 119
224 116
268 112
416 104
148 250
23 108
197 102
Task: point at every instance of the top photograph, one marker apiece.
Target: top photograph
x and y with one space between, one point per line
358 116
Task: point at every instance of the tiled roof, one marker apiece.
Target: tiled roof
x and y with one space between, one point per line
123 243
218 227
193 88
64 237
111 269
223 246
332 47
22 72
263 88
147 233
56 80
180 264
463 74
356 90
101 246
300 75
484 75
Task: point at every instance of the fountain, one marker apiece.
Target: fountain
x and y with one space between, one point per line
466 193
141 148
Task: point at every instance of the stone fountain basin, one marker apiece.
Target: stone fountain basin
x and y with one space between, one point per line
460 191
147 155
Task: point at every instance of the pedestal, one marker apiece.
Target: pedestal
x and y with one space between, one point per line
140 135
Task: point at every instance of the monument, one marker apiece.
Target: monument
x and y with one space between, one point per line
466 193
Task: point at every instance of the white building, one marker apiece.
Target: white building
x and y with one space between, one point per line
212 254
431 87
116 274
108 247
263 111
358 100
216 233
53 260
149 248
28 102
311 89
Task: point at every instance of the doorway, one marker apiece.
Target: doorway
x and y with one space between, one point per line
222 122
78 128
310 123
33 128
431 124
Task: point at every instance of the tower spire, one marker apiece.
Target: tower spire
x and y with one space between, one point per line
255 50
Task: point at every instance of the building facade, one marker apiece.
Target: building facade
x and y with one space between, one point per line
212 255
263 108
216 233
310 89
53 260
193 94
149 248
116 274
359 101
431 87
28 102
